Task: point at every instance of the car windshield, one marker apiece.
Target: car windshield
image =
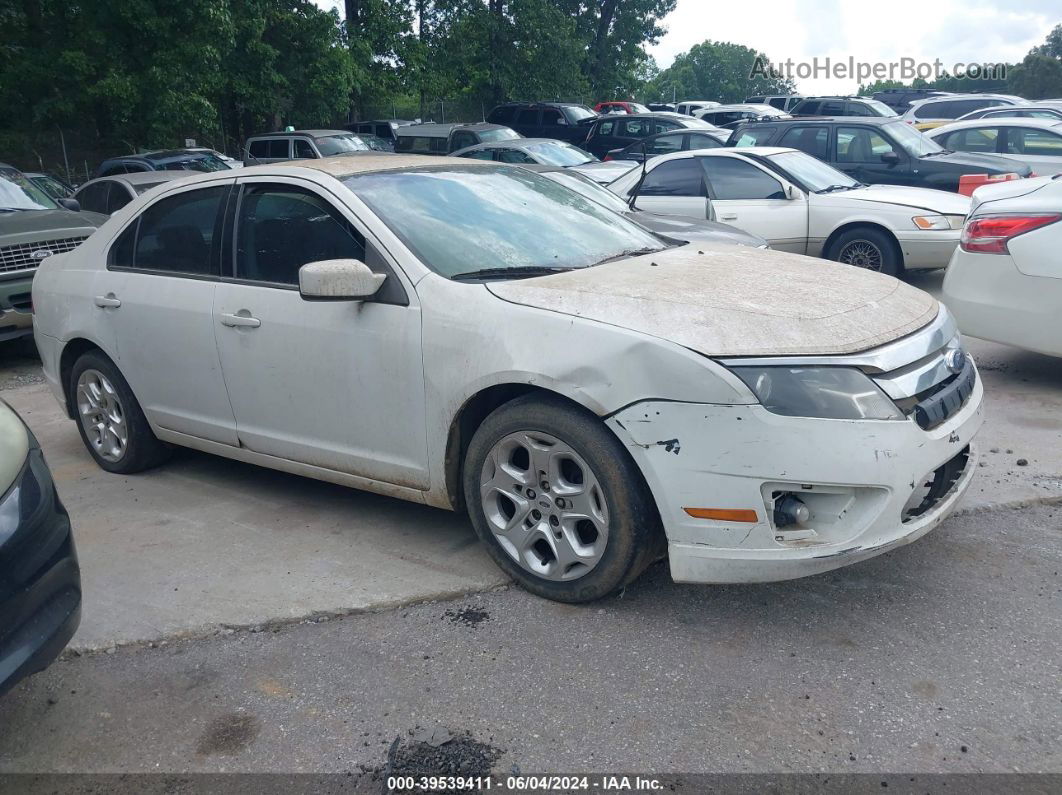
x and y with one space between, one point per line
559 154
579 112
500 134
913 142
638 108
340 145
18 193
588 188
811 172
198 162
460 220
880 107
52 186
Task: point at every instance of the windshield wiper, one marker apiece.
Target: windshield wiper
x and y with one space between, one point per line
633 252
509 273
831 188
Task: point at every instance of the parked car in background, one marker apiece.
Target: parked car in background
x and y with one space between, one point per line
690 106
875 151
442 139
693 230
231 162
656 107
900 99
548 152
729 115
925 114
1005 281
387 129
606 133
300 145
107 195
376 143
40 581
56 187
668 142
564 121
1030 111
1036 143
167 160
841 106
618 106
33 227
783 102
800 204
593 395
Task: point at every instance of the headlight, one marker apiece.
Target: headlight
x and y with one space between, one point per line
839 393
938 221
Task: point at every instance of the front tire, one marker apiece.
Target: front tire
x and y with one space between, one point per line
558 502
866 247
109 418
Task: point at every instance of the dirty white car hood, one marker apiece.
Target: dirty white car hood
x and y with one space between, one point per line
938 201
722 300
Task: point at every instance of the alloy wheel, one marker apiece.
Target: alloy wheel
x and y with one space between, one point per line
862 254
102 415
544 505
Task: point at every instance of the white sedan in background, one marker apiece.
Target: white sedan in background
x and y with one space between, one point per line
548 152
476 337
1005 281
1035 142
800 204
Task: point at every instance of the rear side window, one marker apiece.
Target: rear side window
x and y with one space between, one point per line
117 198
675 178
702 141
94 197
755 136
662 145
270 147
1033 142
832 109
813 140
731 178
175 235
978 139
502 115
810 108
527 116
776 102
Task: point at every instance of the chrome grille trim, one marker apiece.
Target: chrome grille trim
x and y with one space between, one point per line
20 256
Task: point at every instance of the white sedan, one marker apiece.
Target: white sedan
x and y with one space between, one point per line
474 336
800 204
1035 142
1005 281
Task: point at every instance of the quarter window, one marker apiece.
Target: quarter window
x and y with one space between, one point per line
174 235
117 198
731 178
280 228
683 177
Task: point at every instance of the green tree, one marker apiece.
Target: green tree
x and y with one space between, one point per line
717 70
1037 77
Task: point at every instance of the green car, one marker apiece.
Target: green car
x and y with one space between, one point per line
33 226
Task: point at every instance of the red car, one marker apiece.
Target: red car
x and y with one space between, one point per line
617 106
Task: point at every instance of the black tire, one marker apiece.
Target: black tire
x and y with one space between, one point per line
848 245
142 449
635 536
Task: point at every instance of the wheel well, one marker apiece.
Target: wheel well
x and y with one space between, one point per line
71 353
468 419
836 233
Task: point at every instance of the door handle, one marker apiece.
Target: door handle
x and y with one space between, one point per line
240 321
107 301
728 217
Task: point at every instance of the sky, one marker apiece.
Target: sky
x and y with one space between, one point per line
951 31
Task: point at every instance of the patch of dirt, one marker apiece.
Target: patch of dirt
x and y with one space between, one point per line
469 616
19 365
228 734
443 754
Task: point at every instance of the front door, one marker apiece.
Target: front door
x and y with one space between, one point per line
675 187
334 384
866 155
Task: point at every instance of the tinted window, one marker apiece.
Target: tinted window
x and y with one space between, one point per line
755 136
382 130
675 178
663 126
810 108
303 150
813 140
731 178
832 108
463 139
702 141
270 148
514 156
527 116
177 234
663 145
605 128
119 197
979 139
94 197
123 168
861 145
502 115
482 154
1037 143
552 117
775 102
281 228
635 128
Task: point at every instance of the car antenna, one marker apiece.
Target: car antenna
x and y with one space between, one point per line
641 179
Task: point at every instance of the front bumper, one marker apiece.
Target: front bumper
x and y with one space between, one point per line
16 315
928 248
858 478
40 580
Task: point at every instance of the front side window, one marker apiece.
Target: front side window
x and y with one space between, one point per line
551 117
702 141
303 150
461 220
731 178
636 128
463 139
280 228
861 145
976 139
1033 142
683 177
93 197
175 235
527 117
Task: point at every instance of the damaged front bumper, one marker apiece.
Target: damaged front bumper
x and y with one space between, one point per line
869 485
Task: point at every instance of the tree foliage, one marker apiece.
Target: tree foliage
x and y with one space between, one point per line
716 70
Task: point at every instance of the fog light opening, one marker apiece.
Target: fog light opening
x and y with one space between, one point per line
790 510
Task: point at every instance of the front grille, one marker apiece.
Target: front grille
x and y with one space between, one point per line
20 256
936 486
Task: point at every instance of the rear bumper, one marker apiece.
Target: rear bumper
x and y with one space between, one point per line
928 249
16 315
40 580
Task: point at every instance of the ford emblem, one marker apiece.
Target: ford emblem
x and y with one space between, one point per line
41 253
955 359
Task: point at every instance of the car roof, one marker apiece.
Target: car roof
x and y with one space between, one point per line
743 106
805 120
340 166
951 97
839 96
440 129
511 143
309 133
1045 124
143 177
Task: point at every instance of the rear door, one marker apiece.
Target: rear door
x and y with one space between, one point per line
527 122
751 198
1041 149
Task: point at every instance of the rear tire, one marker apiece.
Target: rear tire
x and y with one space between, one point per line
109 418
869 248
557 500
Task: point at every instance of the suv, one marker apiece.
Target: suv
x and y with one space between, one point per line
875 150
929 113
688 107
617 131
442 139
841 106
564 121
300 145
783 102
900 99
166 160
387 129
33 226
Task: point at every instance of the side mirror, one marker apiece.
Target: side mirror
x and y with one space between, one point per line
70 204
562 122
792 193
890 157
338 280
